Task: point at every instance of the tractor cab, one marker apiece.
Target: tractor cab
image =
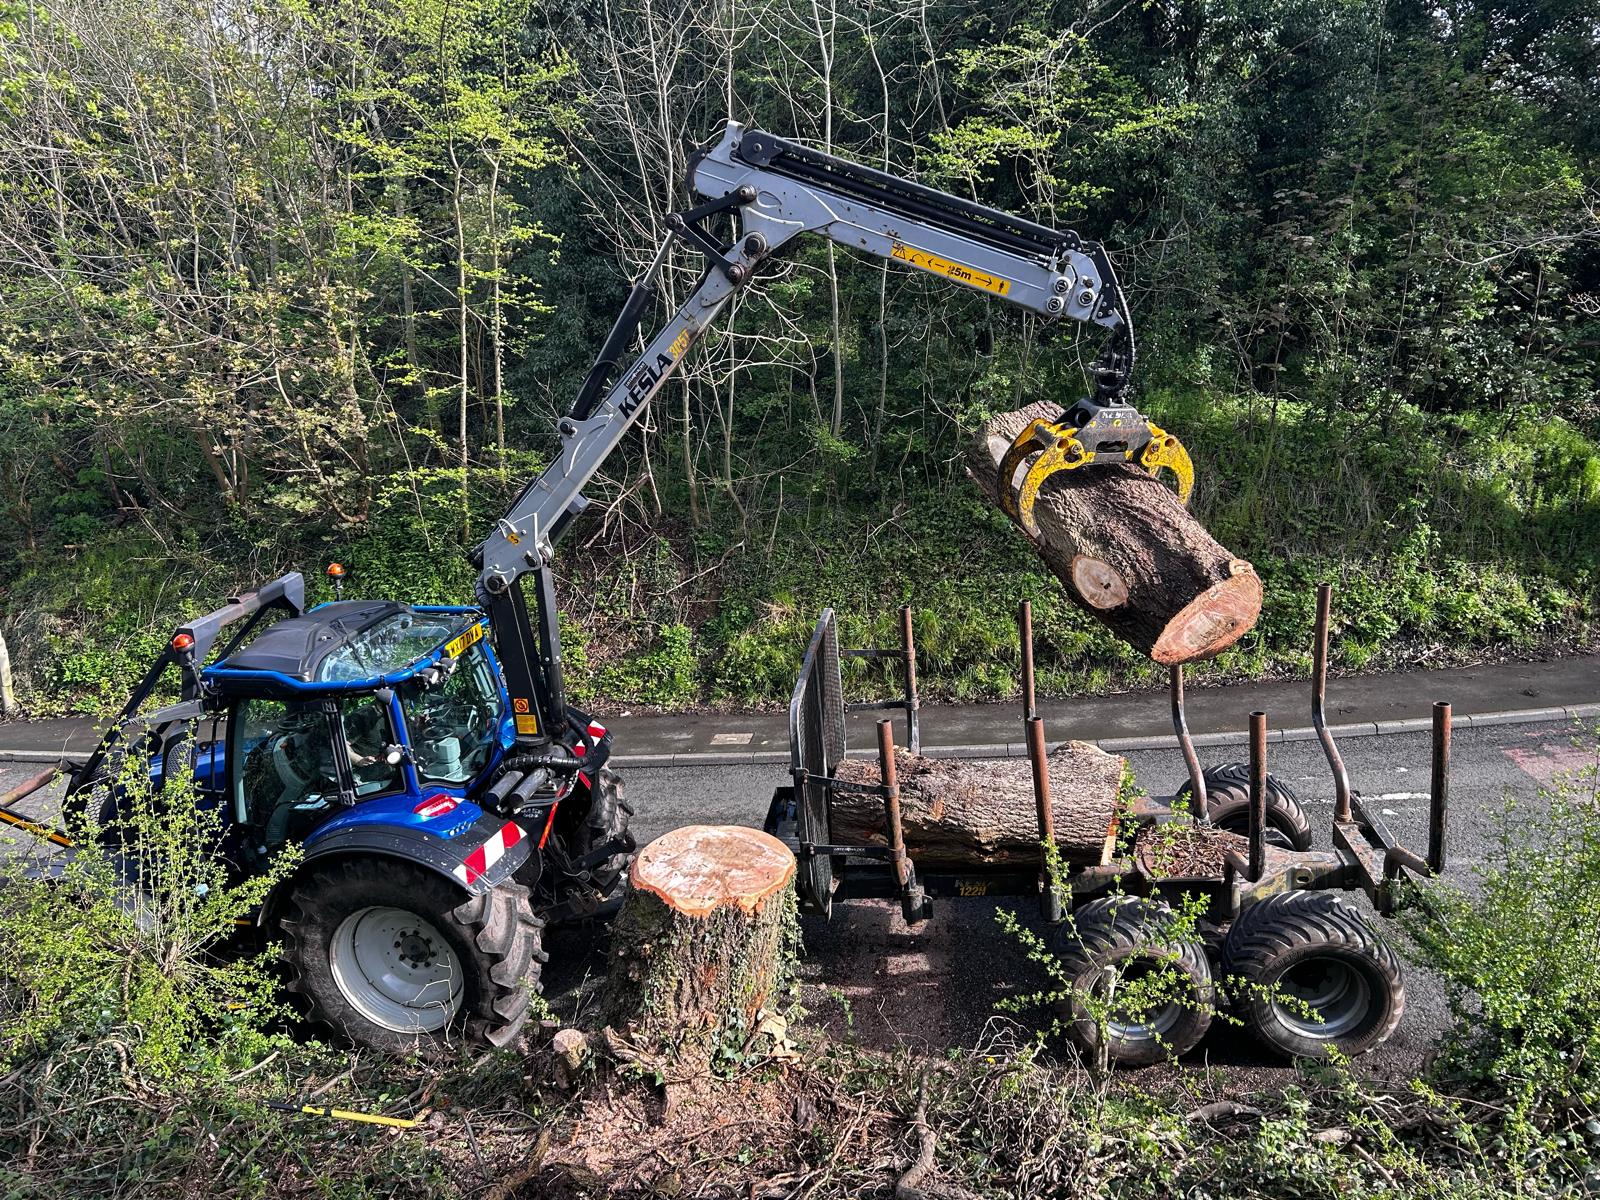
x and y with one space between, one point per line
355 703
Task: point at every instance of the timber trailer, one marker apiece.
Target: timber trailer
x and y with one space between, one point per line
1279 940
448 797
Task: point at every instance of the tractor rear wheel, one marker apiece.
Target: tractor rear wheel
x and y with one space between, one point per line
399 958
1126 939
1228 806
1317 976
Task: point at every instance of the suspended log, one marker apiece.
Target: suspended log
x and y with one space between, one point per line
702 948
1129 553
965 813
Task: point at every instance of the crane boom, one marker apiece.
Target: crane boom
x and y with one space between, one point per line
777 190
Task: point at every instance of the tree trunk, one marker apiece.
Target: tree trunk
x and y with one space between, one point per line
964 813
1129 553
703 946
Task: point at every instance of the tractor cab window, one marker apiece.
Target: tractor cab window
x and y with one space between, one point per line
367 737
454 723
389 645
285 769
284 775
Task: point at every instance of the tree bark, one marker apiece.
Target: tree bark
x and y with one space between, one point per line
704 944
964 813
1129 553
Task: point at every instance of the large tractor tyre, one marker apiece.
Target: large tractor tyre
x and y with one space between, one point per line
1316 974
1228 806
399 958
1127 938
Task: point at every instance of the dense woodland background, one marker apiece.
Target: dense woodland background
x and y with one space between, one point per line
290 280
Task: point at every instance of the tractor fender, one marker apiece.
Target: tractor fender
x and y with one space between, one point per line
478 860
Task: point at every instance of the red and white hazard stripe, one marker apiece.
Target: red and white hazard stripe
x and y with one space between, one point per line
596 731
491 852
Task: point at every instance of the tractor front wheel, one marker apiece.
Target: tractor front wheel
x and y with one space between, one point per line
399 958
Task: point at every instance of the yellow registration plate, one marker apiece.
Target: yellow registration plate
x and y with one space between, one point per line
457 644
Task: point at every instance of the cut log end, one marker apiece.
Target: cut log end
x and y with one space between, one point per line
1213 621
699 868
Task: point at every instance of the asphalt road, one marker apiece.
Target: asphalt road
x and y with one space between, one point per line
935 986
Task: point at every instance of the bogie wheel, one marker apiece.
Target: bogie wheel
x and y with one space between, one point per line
399 958
1228 806
1121 940
1318 975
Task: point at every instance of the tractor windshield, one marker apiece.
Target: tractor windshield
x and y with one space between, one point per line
389 645
454 724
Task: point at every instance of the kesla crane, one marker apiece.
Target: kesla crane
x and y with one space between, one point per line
776 191
447 799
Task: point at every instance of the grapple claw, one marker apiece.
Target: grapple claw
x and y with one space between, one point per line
1058 449
1167 451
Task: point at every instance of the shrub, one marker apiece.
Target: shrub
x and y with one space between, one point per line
1519 952
128 941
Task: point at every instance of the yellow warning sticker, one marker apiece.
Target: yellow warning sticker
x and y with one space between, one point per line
457 644
527 724
970 276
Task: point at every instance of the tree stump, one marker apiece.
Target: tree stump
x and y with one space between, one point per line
704 945
965 813
1128 552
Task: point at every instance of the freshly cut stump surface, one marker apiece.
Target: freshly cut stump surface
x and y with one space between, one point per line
703 946
1129 554
965 812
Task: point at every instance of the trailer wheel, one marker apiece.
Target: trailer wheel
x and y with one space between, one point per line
1333 981
1228 806
1125 938
398 958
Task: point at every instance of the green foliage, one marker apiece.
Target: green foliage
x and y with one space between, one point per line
1519 951
302 292
130 941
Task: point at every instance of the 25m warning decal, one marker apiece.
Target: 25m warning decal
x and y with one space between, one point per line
970 276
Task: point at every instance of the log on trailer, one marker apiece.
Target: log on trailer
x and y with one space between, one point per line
966 813
1128 552
701 953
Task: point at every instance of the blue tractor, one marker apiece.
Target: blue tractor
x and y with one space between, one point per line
448 797
379 737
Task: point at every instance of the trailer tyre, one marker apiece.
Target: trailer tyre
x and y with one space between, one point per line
1128 937
399 958
1228 806
1332 980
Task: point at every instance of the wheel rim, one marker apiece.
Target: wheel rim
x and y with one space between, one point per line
396 969
1145 1025
1329 998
